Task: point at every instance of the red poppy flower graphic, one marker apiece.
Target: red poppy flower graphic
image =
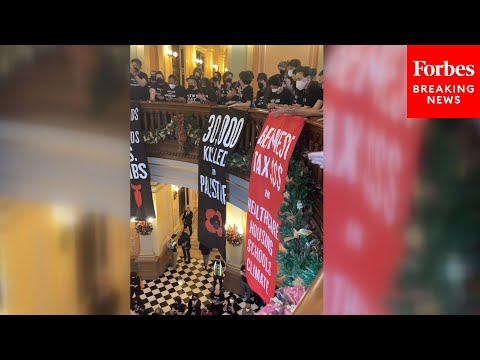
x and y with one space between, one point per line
214 222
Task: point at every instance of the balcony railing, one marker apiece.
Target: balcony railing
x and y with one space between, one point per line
158 114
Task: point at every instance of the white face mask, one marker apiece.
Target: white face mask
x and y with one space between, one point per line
172 86
301 84
274 90
290 73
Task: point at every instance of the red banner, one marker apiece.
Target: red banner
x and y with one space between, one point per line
268 174
371 153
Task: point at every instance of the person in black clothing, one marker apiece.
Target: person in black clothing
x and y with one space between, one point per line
320 79
157 87
206 254
138 82
282 67
184 241
289 80
216 86
178 308
218 271
218 75
218 300
173 91
230 305
135 285
194 306
313 91
246 97
279 95
208 96
187 218
262 90
245 291
226 87
193 91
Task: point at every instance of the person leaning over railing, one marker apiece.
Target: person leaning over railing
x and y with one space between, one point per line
193 91
173 91
279 94
246 91
156 87
312 95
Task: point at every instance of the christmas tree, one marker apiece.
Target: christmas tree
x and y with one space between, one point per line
442 267
300 256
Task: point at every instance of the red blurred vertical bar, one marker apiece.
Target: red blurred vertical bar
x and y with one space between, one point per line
371 152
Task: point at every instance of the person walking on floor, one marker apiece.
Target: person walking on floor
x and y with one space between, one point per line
218 271
206 254
187 220
245 288
172 252
135 284
184 241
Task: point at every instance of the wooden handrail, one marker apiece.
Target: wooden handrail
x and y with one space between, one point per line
312 301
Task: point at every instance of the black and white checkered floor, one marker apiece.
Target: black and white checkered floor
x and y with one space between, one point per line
185 280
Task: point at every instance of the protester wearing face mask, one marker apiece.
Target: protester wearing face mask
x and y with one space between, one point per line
246 91
226 87
218 75
230 305
282 66
262 90
248 310
193 91
194 306
208 95
157 87
312 95
279 95
289 80
173 91
138 82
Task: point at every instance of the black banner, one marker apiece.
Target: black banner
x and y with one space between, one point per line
141 202
221 134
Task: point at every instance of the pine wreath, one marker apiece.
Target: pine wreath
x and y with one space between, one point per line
233 236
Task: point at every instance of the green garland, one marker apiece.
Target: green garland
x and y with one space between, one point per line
192 130
300 257
241 160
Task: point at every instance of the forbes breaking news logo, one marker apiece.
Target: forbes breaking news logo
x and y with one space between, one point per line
441 81
438 94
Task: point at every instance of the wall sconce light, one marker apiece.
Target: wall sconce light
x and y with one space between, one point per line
198 61
225 69
215 67
171 53
175 189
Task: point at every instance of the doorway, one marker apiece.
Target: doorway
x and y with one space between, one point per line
181 200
